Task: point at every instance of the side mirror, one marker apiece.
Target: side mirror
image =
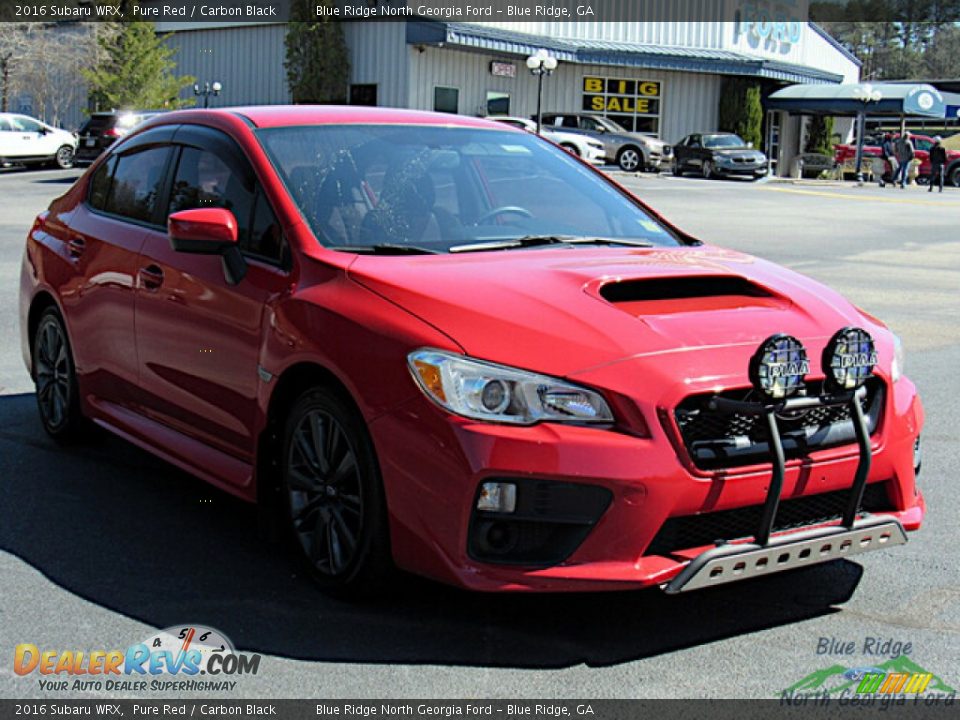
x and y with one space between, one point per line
209 231
750 144
601 129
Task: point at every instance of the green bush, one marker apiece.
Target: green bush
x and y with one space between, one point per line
741 111
317 62
820 135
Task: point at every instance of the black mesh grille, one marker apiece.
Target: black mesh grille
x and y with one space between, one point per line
717 440
697 530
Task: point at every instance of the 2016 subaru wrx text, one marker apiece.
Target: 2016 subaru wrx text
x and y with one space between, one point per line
440 344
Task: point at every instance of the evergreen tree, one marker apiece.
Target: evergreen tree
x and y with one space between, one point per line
820 135
136 71
318 67
741 111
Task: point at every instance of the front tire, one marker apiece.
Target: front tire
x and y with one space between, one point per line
334 504
954 175
572 149
64 158
55 379
630 159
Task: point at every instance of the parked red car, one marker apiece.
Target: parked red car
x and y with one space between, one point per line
439 343
921 143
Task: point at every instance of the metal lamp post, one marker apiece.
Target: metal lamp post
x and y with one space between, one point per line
541 63
865 94
206 90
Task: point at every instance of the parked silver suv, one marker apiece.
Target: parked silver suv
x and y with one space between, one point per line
631 151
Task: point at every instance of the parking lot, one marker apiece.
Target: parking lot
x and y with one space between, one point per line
101 544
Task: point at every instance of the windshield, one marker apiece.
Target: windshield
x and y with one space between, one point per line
611 125
723 141
440 187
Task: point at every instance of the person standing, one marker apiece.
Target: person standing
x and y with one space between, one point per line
938 159
905 154
889 153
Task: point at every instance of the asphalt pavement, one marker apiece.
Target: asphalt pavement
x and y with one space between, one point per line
101 544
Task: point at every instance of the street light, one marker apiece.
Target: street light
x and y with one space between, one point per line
866 94
206 90
541 63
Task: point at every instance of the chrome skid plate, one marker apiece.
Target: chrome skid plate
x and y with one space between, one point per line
729 563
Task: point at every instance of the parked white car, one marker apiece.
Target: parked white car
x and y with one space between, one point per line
26 140
579 145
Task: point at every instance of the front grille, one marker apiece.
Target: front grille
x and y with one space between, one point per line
722 440
692 531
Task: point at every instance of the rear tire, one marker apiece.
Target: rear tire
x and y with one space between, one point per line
55 379
677 169
333 500
707 170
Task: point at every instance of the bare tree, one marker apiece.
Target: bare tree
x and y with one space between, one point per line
50 58
14 47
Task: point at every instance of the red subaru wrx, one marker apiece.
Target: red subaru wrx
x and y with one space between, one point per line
437 343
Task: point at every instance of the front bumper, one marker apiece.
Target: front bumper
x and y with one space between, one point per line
755 169
433 465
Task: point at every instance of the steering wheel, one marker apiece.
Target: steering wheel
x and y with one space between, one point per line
503 210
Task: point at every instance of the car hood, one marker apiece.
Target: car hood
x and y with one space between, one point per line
565 310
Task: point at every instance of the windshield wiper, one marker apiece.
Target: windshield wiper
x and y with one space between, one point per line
535 240
385 249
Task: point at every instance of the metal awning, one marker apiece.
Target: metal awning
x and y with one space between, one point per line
920 100
465 36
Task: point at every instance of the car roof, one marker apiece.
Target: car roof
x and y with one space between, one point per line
270 116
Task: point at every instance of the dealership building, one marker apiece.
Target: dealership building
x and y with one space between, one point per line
664 78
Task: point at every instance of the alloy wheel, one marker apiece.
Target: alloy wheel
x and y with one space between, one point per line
325 492
54 374
707 169
65 157
629 160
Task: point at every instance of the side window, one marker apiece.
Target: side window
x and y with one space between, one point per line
589 124
136 183
204 180
266 237
23 124
100 184
570 121
922 144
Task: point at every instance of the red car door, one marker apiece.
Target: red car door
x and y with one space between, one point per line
105 234
199 337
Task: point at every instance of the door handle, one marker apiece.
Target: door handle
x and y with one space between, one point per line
151 277
76 246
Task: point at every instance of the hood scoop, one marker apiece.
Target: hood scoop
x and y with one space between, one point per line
691 293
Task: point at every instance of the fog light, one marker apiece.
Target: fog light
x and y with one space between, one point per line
848 359
497 497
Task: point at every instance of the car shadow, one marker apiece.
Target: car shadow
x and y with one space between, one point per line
115 526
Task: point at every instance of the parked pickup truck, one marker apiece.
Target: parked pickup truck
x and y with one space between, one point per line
846 154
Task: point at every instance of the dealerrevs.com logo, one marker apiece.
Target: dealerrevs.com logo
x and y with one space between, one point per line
180 658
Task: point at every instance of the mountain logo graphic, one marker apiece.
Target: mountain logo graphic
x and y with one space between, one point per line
899 675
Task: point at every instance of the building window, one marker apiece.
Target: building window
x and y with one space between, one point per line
446 99
365 94
633 103
498 103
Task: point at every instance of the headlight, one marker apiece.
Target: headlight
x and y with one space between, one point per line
896 367
484 391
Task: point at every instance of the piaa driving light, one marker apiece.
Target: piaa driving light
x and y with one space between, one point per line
484 391
779 366
849 359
